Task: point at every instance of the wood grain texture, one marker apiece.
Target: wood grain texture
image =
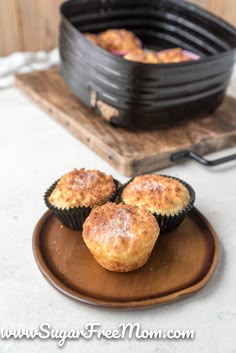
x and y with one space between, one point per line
40 24
27 25
10 28
181 263
224 8
131 153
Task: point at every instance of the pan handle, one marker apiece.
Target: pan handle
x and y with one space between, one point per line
175 157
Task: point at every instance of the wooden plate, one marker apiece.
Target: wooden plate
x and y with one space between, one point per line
181 263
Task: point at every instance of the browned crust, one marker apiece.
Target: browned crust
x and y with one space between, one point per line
120 237
143 56
156 193
119 40
82 187
175 55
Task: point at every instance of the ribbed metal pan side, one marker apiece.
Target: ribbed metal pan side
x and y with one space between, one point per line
147 94
100 59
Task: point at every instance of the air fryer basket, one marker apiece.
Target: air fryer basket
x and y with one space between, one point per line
137 95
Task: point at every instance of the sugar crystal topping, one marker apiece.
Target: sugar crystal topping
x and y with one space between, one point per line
118 224
151 185
84 180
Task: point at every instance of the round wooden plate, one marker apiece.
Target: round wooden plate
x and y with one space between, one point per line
181 263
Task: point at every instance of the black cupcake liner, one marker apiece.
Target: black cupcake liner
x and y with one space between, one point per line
168 223
75 217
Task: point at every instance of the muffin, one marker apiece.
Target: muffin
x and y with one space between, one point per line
175 55
73 196
118 40
120 237
168 199
143 56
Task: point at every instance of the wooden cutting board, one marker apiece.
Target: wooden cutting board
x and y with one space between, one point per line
131 153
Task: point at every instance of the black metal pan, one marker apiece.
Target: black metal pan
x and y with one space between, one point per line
137 95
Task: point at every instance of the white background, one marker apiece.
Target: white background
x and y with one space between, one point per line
35 151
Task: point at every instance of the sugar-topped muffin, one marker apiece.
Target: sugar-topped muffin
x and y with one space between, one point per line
82 188
73 196
156 193
119 236
168 198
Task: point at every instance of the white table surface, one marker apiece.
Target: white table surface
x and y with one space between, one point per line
34 151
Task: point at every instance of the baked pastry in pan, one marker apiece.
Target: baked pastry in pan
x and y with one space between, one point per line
124 43
143 56
117 41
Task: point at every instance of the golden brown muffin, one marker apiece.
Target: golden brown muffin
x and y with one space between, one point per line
120 237
118 40
175 55
82 188
143 56
157 194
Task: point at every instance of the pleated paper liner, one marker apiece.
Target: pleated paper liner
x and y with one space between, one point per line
74 218
168 223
